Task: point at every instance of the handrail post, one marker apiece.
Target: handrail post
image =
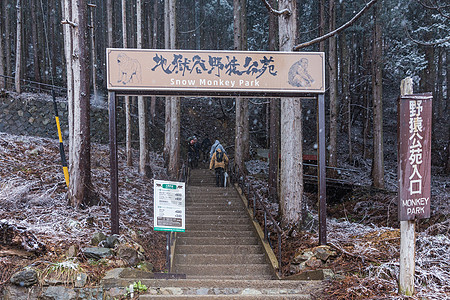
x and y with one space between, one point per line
265 225
168 252
254 206
280 262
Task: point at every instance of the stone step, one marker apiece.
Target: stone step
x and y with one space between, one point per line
199 211
218 249
299 286
249 240
211 189
255 270
229 203
217 221
208 287
219 227
214 233
220 259
217 217
232 296
196 203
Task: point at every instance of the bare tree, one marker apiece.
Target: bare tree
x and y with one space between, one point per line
167 128
142 111
332 75
2 66
242 139
18 47
128 149
109 21
345 81
291 130
8 38
274 108
172 134
377 90
76 45
93 52
34 37
154 40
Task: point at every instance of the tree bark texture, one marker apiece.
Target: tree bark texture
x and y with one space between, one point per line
2 57
377 90
68 46
34 36
109 22
174 156
332 75
80 186
93 54
8 39
242 139
291 131
128 149
345 79
142 109
18 47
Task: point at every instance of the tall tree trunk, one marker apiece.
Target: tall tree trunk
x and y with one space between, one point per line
36 64
242 139
18 47
167 128
2 57
366 99
439 98
291 131
109 21
322 24
174 155
377 89
239 139
345 79
274 118
143 155
154 46
80 186
332 75
174 162
127 98
68 48
8 39
93 55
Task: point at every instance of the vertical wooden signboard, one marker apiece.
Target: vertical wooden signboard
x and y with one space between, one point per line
414 149
414 175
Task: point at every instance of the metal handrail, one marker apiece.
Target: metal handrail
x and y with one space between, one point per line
240 178
37 86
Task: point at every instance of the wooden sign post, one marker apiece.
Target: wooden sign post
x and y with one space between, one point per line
414 174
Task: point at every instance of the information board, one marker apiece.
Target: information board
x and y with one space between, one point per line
215 71
414 150
169 206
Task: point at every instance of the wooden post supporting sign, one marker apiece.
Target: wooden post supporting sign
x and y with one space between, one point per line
414 174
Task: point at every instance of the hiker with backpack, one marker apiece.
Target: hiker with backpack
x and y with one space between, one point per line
214 148
219 161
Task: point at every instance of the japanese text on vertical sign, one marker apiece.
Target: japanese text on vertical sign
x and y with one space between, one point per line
415 148
415 114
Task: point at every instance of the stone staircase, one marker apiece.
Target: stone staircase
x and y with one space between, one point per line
220 253
219 242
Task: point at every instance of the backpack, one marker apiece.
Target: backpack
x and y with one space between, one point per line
219 156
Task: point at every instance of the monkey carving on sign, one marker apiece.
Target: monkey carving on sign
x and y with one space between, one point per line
129 69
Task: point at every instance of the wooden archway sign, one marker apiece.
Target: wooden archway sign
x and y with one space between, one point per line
218 74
